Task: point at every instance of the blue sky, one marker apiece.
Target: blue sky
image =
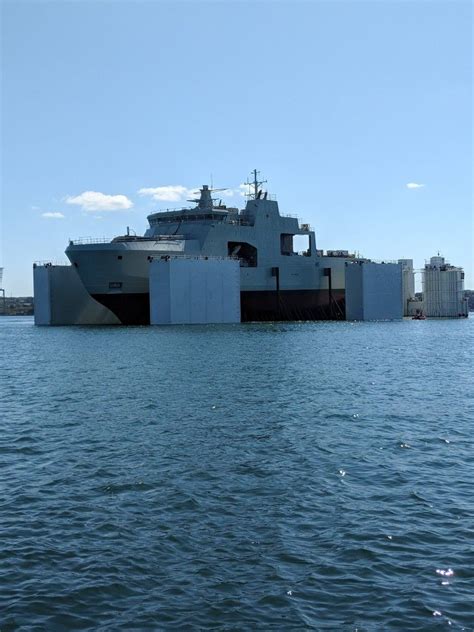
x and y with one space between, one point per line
339 104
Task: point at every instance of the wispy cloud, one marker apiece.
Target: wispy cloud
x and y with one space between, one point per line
168 193
52 215
96 201
414 185
179 193
243 189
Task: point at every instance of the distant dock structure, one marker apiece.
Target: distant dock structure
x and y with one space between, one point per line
443 290
408 284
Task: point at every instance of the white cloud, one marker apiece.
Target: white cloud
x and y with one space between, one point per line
178 192
169 193
96 201
227 193
193 193
243 189
414 185
51 215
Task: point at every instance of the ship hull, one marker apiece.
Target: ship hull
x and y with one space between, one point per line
292 305
130 309
134 309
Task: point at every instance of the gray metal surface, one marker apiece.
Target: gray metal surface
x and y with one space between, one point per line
61 299
194 290
374 291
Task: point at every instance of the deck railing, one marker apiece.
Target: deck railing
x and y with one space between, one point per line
47 263
89 240
168 257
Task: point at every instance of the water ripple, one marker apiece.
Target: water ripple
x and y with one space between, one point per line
259 477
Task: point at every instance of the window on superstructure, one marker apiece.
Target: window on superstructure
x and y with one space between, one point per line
246 253
295 245
286 244
302 245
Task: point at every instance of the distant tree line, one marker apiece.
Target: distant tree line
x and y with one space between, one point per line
16 306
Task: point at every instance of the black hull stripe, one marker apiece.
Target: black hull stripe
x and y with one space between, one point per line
292 305
134 309
130 309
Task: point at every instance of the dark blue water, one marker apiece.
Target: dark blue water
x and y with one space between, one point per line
254 477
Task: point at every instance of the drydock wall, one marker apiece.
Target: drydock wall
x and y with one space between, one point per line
374 291
61 299
194 290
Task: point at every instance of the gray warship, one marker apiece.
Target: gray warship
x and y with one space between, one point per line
276 282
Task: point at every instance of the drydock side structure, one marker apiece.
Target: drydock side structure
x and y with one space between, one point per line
276 282
61 298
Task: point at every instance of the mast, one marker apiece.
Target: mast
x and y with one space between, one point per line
255 184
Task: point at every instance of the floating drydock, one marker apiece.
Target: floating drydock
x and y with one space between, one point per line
202 290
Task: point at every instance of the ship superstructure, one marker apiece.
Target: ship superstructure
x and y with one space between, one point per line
276 281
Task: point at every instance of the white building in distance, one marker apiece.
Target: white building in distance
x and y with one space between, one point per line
443 290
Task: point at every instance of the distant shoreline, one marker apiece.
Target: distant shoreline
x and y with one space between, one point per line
17 306
24 305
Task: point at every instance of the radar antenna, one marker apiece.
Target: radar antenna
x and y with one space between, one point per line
255 184
207 190
205 200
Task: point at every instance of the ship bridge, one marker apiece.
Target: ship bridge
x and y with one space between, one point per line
204 211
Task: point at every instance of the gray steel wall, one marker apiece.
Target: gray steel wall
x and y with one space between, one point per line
194 290
374 291
61 299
